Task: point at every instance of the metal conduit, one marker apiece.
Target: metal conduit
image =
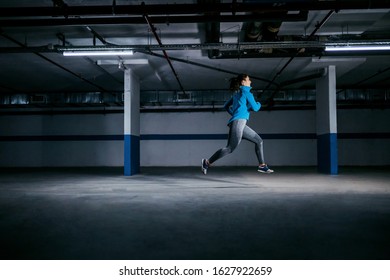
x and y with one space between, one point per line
164 52
206 46
368 78
318 26
18 22
55 63
190 9
208 67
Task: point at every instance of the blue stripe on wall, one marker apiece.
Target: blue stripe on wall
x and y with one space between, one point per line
374 135
62 138
131 155
183 136
327 153
312 136
223 136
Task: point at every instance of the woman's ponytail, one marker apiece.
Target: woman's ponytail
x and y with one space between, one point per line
235 82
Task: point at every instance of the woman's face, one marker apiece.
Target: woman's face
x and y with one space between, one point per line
246 82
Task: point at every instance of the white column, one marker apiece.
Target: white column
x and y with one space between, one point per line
131 124
326 111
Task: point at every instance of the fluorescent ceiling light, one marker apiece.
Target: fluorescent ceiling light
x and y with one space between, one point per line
98 53
356 48
338 59
124 61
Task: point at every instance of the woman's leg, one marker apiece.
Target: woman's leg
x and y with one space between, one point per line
235 136
251 135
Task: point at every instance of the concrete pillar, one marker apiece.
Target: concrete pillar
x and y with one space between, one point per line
132 124
326 112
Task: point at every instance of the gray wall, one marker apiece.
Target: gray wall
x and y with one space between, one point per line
182 139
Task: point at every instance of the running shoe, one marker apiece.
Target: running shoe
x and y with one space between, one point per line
205 166
265 169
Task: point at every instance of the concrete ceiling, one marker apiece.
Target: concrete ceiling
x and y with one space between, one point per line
31 60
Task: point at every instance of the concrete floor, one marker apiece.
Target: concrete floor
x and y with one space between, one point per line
178 213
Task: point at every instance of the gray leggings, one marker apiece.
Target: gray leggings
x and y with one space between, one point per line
239 130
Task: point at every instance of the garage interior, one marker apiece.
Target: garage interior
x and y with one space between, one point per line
64 193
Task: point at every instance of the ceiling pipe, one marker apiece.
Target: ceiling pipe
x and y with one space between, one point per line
97 35
186 61
318 47
60 5
318 26
200 8
153 29
320 74
230 46
54 63
212 30
368 78
65 44
302 16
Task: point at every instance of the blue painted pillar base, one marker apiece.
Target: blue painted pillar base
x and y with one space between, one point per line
327 153
132 155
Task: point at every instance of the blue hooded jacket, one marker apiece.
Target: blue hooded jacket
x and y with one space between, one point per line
241 103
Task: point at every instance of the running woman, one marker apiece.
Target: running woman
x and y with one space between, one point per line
239 107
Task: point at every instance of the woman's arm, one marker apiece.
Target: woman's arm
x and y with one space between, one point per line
253 105
228 105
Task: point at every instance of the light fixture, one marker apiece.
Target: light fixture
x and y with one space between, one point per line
332 60
98 53
357 48
124 61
